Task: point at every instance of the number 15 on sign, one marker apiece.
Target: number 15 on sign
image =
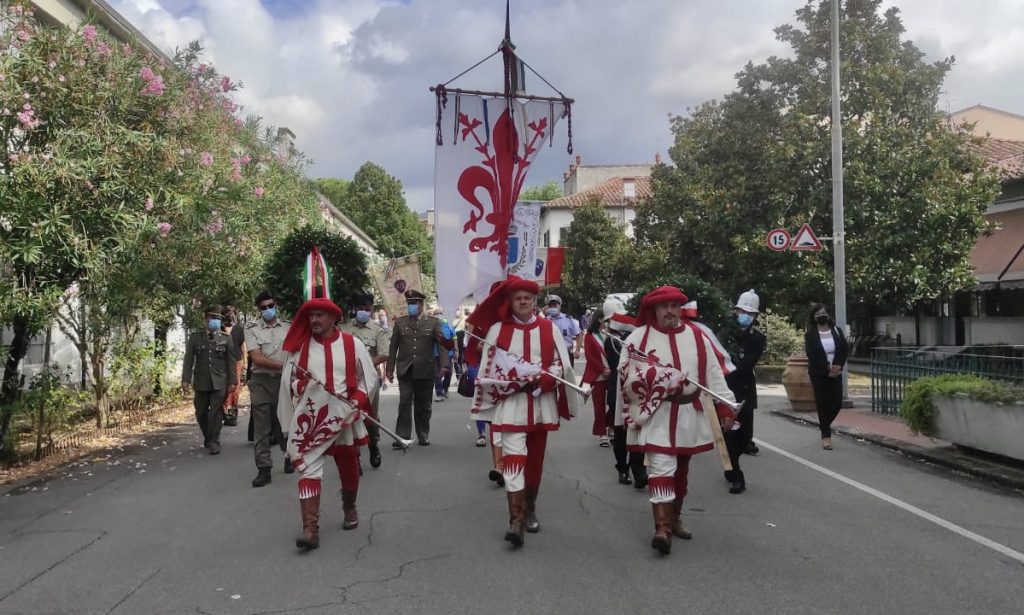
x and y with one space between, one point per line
778 239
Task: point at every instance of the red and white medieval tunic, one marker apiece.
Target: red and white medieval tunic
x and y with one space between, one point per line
656 422
309 408
514 354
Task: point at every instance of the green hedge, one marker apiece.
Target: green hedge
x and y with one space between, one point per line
918 410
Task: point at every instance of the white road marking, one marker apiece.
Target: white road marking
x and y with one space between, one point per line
939 521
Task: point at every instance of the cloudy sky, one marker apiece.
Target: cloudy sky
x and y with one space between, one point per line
350 77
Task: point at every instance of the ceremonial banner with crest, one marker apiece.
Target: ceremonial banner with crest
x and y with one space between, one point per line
488 146
522 239
398 276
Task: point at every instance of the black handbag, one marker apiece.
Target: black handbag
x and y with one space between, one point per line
467 382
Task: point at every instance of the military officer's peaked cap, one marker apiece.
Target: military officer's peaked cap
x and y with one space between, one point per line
414 295
214 310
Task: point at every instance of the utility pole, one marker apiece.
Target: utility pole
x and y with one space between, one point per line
838 226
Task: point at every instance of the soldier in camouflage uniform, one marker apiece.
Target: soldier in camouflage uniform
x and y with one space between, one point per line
209 370
377 342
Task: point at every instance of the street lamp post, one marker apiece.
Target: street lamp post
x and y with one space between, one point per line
838 232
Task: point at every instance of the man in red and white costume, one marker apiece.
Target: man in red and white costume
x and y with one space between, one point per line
517 394
325 387
664 413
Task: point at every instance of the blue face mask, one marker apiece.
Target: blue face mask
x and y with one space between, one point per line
553 312
413 308
269 314
213 324
362 317
745 320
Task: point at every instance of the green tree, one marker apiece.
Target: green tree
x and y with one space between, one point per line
376 203
595 247
548 191
761 159
336 190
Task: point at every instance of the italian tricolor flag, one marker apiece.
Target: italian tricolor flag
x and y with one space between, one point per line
316 276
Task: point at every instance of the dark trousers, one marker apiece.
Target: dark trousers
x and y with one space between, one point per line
828 397
263 391
625 460
209 407
737 441
414 407
442 381
371 427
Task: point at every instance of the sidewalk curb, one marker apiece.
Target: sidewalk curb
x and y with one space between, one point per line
949 457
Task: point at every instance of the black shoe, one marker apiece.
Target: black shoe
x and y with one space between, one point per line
640 480
751 449
288 467
738 487
424 442
624 478
396 445
374 454
496 477
215 448
262 477
230 421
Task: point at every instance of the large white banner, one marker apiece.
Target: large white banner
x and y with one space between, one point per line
478 173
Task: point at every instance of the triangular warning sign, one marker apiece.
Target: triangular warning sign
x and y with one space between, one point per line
805 240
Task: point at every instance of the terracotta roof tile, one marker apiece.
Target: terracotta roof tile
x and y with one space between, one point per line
1007 156
611 194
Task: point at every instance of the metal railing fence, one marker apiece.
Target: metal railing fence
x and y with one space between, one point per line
894 368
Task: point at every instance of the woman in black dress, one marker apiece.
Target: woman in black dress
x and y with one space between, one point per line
827 351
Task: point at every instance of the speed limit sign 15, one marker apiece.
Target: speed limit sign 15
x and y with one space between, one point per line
778 239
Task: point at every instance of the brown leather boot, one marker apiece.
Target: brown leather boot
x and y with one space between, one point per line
678 525
662 540
310 538
514 534
348 505
530 522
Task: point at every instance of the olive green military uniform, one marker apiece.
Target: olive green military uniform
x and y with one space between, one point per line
377 342
411 357
264 387
210 369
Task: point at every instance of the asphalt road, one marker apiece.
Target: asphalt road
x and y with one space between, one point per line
163 528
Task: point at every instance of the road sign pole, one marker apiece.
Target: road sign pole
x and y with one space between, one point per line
838 232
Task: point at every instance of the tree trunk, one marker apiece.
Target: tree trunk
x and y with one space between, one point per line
100 386
41 418
10 390
160 353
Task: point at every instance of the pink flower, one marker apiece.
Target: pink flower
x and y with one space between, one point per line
149 204
126 49
155 87
146 74
258 192
225 84
236 169
246 159
22 35
89 33
206 159
164 228
103 49
239 123
61 78
81 62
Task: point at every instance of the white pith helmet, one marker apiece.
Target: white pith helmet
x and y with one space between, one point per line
611 307
749 302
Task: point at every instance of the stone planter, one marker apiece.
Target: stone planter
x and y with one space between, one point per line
798 384
993 428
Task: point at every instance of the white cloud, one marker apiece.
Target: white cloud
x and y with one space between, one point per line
350 77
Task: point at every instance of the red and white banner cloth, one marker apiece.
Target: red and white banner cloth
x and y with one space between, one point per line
313 417
501 396
488 148
654 363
